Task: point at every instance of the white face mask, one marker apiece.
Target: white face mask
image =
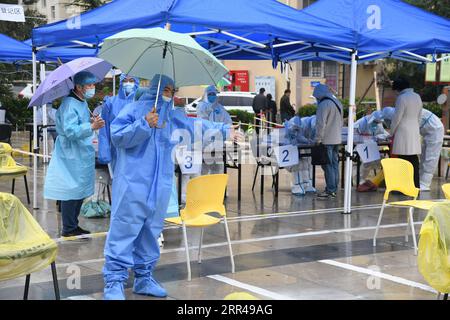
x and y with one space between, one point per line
166 99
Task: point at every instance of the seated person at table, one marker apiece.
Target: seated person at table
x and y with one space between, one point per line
371 127
301 131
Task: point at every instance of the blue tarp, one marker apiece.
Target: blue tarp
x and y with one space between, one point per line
12 50
387 25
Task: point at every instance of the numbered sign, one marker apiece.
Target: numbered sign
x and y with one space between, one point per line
286 156
190 162
368 151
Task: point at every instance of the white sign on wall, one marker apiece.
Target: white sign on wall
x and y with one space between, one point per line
11 12
267 83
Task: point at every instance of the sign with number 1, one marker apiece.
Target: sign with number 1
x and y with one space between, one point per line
368 151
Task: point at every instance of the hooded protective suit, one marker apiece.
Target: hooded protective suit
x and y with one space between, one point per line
142 187
299 131
106 151
210 109
432 132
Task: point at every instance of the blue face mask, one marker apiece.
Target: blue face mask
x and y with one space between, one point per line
128 87
89 94
212 98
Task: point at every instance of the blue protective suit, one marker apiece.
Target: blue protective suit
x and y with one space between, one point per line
143 182
71 173
106 151
371 125
212 111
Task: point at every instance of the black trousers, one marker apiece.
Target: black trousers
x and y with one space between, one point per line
414 159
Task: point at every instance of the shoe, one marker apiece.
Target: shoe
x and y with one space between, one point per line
114 291
73 233
297 190
424 188
83 231
148 286
367 186
326 195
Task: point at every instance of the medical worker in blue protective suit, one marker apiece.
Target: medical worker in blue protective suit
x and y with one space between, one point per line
71 173
432 132
371 128
299 131
210 109
142 186
111 108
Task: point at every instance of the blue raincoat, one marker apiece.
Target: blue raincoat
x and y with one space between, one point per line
212 111
106 152
143 182
71 173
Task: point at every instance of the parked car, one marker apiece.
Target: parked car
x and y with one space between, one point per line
231 100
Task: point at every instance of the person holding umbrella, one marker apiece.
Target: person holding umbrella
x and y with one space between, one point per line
142 186
71 173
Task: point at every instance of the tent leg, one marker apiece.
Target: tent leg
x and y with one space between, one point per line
351 112
35 133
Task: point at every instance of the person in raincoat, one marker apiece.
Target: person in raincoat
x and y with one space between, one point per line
432 132
300 131
111 108
142 186
71 173
210 109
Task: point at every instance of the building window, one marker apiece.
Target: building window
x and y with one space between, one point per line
308 3
312 69
53 12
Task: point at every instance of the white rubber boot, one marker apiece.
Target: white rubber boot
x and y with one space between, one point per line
297 188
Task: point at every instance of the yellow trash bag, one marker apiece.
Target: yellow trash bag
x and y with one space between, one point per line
9 169
24 247
434 245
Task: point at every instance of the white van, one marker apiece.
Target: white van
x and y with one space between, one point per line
231 100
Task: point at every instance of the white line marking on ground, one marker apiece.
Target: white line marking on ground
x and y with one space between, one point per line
248 287
279 237
79 298
380 275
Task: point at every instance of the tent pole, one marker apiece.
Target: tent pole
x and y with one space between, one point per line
44 117
35 135
113 73
349 149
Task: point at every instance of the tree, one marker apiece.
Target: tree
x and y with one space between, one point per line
86 5
414 72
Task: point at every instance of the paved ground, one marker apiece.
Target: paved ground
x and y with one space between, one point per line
285 248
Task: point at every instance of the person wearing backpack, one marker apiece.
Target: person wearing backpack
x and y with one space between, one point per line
329 122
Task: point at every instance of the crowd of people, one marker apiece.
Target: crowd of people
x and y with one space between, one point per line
135 140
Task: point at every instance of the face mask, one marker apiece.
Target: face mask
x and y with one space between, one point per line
128 87
166 99
212 99
89 93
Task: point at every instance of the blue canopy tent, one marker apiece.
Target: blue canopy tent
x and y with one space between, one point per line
13 50
348 31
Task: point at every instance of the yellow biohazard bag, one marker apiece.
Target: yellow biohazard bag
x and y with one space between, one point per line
24 247
434 245
9 169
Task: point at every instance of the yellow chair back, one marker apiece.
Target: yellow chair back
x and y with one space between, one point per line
5 156
399 176
446 189
205 194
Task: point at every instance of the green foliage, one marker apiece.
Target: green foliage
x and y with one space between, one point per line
242 116
86 5
439 7
18 109
434 107
307 110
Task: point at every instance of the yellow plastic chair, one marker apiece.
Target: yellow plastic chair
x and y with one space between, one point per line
24 247
434 256
399 176
204 195
10 170
446 190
